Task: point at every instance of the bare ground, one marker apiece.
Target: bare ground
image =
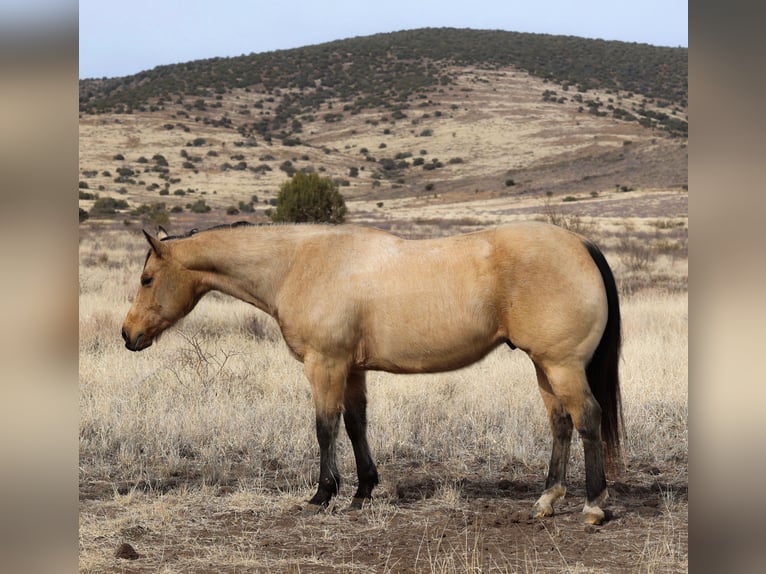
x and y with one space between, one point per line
425 518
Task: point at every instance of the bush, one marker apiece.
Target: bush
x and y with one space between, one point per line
309 198
152 213
198 206
108 206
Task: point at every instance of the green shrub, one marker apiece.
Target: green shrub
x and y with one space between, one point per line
309 198
107 206
154 213
198 206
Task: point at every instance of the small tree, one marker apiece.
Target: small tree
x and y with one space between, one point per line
309 198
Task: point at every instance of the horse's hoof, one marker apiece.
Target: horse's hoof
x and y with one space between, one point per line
359 503
594 516
541 511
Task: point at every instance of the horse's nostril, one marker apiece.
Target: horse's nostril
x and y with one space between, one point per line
124 335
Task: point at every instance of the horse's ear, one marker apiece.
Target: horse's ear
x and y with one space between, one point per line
157 246
161 232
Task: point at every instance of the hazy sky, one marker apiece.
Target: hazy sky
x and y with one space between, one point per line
123 38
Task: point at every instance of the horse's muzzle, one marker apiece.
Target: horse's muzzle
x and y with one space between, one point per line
136 345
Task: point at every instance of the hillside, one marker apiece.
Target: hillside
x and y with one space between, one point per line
427 123
389 69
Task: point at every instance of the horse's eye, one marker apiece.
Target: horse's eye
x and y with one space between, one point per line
146 281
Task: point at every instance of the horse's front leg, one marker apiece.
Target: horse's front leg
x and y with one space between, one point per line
355 419
328 381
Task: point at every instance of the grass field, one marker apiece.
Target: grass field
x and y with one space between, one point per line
200 451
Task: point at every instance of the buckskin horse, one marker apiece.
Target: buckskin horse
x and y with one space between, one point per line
350 299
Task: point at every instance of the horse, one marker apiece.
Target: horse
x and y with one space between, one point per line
349 299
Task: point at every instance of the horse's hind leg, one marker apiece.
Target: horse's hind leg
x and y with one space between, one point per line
561 429
355 419
570 386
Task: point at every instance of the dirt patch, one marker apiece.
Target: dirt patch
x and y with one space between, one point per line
429 518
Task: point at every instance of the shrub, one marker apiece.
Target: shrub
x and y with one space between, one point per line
83 215
509 183
198 206
107 206
309 198
152 213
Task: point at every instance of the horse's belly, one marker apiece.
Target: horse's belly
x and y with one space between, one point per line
412 350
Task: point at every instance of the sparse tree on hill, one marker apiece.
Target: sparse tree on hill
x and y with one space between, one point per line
309 198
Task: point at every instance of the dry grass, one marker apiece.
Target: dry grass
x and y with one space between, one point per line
200 450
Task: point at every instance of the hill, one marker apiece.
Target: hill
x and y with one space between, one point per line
389 69
422 123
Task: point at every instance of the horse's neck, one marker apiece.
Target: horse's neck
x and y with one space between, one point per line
246 264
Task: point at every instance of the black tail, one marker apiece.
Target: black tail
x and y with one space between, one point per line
602 371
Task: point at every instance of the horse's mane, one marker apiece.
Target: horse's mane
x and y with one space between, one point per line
196 230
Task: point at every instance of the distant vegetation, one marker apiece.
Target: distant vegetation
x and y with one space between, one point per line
388 70
309 198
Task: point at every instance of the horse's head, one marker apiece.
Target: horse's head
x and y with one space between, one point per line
167 293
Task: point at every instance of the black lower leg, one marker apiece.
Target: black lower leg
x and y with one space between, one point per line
561 427
329 478
595 478
355 420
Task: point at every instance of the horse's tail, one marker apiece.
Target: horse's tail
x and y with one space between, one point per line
603 369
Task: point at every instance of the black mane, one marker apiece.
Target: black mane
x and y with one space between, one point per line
221 226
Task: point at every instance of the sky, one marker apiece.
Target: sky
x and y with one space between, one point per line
124 38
